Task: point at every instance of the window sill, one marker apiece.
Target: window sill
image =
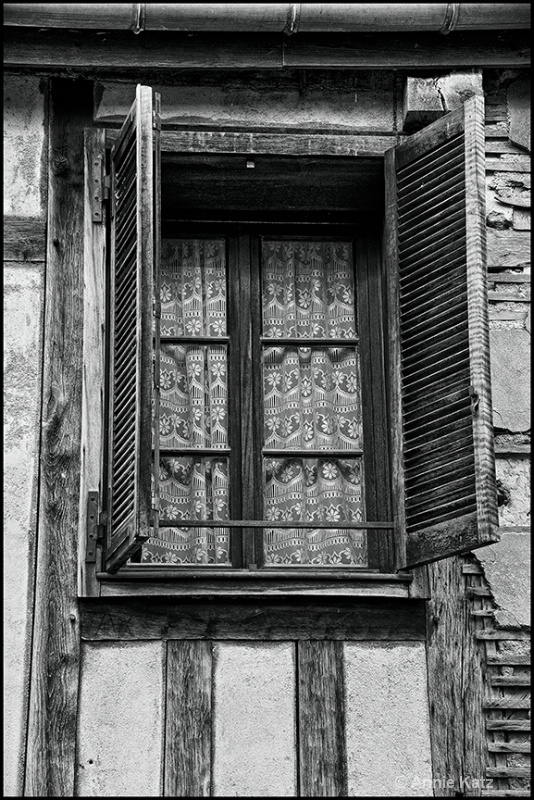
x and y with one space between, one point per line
213 581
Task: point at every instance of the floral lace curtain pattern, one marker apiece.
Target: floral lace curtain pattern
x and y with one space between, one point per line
193 404
312 401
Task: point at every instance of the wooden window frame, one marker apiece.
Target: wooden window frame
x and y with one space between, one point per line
385 291
382 580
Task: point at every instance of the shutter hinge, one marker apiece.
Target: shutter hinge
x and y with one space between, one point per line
475 400
155 502
99 184
156 309
95 526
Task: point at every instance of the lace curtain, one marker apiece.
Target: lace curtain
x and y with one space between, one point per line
193 403
312 401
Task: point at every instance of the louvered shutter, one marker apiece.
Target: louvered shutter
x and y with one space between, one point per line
443 459
134 245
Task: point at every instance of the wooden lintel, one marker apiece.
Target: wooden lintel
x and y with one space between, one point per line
93 54
313 618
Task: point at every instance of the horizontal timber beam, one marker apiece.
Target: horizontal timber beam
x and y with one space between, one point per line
337 618
75 53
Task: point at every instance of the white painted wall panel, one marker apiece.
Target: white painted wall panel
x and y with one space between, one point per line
120 734
254 727
388 733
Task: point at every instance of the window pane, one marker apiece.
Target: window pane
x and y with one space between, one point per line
314 490
191 488
193 287
193 396
312 398
308 289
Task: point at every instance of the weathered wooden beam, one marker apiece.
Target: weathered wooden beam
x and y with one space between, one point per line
92 54
188 719
56 636
314 618
321 723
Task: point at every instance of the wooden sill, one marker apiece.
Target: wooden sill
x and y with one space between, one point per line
154 580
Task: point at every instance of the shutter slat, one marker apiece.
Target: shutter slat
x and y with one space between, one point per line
443 461
135 230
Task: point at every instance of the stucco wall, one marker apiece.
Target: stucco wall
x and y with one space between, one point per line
254 730
24 142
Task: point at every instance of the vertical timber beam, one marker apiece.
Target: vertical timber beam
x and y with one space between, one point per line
56 638
188 719
321 719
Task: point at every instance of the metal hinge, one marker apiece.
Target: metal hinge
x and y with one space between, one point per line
100 185
95 525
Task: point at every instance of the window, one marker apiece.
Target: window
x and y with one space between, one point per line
312 379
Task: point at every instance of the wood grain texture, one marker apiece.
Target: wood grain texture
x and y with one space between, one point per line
94 281
55 51
393 355
321 719
371 314
276 619
477 300
274 143
56 642
24 238
188 719
508 249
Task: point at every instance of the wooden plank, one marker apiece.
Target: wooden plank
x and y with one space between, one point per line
94 281
455 682
188 719
510 680
506 702
507 316
514 163
370 312
511 635
472 569
518 725
509 659
503 450
504 297
508 248
257 142
24 238
50 764
479 345
321 721
92 55
313 618
475 591
508 772
509 277
410 50
499 146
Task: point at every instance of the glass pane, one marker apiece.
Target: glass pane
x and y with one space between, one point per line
308 289
193 396
193 287
320 490
191 488
312 398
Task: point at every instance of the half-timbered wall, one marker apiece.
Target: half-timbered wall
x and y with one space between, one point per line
125 735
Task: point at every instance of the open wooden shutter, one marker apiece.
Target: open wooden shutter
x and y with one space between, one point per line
134 244
443 462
